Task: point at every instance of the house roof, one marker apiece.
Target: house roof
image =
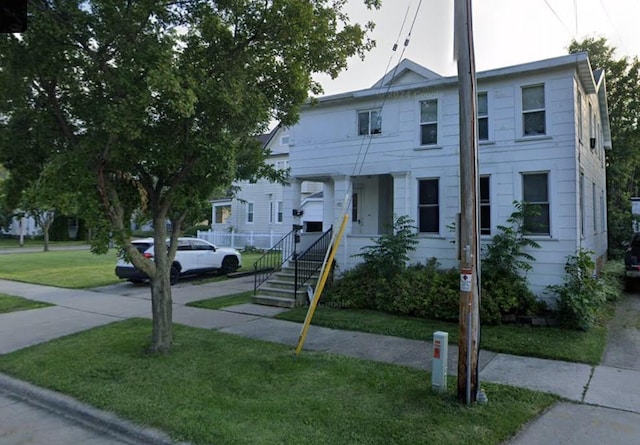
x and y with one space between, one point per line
423 78
408 75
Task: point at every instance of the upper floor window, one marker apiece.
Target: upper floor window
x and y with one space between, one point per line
429 122
369 122
483 117
535 191
284 140
282 165
579 99
428 206
533 111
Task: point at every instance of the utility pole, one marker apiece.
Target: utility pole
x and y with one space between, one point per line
468 343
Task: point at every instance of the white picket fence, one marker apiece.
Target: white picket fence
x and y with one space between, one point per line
242 239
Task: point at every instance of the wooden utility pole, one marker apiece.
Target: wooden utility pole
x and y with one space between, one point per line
468 343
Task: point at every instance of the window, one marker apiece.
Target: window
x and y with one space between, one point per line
284 140
579 115
429 122
593 204
592 127
222 213
483 117
280 206
282 165
535 190
271 212
581 204
533 111
428 206
485 206
369 122
250 212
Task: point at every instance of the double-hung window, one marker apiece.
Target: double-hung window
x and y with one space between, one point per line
279 216
369 122
485 206
250 212
429 122
483 117
533 111
428 206
535 191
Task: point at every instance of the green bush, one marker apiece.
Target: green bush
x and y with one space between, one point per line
504 265
193 230
582 295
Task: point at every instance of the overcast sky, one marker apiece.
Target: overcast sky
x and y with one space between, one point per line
506 32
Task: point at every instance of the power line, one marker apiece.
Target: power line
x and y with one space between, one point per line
559 19
615 30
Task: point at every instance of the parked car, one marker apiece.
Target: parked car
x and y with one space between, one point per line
632 261
193 257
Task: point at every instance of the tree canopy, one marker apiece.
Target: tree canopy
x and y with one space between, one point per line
623 160
149 105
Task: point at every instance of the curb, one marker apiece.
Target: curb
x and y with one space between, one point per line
93 418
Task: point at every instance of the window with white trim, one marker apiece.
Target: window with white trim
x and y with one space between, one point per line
581 204
250 214
369 122
222 213
483 117
279 206
428 206
271 212
429 122
593 204
533 111
535 192
485 205
579 101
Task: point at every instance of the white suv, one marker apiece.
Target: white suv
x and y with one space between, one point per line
193 256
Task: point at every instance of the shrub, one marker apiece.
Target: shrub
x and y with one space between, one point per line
193 230
582 295
389 254
504 266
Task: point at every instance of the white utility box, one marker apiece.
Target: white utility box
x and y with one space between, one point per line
439 361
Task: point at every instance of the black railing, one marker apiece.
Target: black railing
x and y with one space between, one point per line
310 261
273 259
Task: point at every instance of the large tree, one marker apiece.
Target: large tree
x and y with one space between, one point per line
155 103
623 160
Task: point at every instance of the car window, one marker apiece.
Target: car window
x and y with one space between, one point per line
201 245
184 245
142 247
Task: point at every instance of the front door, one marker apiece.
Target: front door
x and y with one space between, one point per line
357 199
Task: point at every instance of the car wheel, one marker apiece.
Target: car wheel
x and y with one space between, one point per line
174 273
229 265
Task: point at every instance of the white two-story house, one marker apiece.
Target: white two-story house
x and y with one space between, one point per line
393 149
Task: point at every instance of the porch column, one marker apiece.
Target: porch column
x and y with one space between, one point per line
328 205
292 196
402 194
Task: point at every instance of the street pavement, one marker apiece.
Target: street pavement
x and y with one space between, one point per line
601 403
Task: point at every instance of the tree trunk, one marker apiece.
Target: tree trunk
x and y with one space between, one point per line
161 303
162 310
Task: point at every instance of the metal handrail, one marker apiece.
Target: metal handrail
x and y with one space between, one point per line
273 259
310 261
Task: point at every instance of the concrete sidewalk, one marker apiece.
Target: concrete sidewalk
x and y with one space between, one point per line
608 398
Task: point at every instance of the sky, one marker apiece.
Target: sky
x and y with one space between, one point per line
506 32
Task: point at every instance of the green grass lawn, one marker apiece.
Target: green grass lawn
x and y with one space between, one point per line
221 302
75 269
544 342
71 269
218 388
9 303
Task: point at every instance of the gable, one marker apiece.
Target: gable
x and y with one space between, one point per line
406 72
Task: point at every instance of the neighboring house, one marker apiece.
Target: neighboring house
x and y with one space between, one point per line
393 149
26 226
259 209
